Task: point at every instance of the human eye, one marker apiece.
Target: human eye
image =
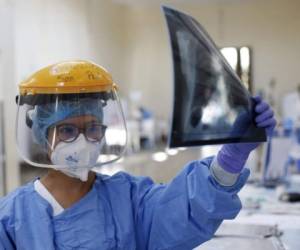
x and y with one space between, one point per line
94 132
67 132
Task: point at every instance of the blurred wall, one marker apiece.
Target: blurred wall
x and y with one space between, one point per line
270 27
8 91
107 32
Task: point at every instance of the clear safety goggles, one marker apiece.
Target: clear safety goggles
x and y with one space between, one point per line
93 132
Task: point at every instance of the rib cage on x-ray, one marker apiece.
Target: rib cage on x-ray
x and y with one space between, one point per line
211 105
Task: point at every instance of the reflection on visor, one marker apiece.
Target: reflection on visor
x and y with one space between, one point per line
211 104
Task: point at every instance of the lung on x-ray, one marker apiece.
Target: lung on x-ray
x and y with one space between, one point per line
211 104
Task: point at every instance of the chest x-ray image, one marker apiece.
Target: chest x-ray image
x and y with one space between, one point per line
211 104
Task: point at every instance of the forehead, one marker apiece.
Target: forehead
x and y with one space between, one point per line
79 120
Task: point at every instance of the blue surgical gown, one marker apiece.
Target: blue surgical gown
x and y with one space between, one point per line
123 212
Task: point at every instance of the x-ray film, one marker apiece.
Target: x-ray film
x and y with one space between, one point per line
211 104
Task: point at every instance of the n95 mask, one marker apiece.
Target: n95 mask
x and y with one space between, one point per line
75 159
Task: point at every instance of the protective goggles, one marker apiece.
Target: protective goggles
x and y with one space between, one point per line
93 132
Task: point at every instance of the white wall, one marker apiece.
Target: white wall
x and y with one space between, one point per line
107 33
8 89
47 32
52 30
270 27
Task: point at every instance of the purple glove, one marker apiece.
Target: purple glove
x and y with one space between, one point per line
232 157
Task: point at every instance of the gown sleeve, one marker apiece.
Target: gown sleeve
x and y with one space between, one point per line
187 211
5 242
5 239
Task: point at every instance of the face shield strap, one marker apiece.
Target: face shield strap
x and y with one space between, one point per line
41 99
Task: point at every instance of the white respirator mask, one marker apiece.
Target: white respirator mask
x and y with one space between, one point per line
77 158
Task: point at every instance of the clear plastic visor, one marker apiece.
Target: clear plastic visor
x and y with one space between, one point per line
70 130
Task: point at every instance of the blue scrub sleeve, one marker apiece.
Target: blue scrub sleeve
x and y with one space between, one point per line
5 241
186 212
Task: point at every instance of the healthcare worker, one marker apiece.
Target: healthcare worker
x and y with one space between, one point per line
70 120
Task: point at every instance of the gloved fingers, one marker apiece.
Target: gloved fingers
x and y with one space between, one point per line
257 99
264 116
269 123
261 107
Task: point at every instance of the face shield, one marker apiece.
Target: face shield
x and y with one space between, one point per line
71 130
211 104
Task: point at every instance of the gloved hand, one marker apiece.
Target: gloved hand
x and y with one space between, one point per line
232 157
